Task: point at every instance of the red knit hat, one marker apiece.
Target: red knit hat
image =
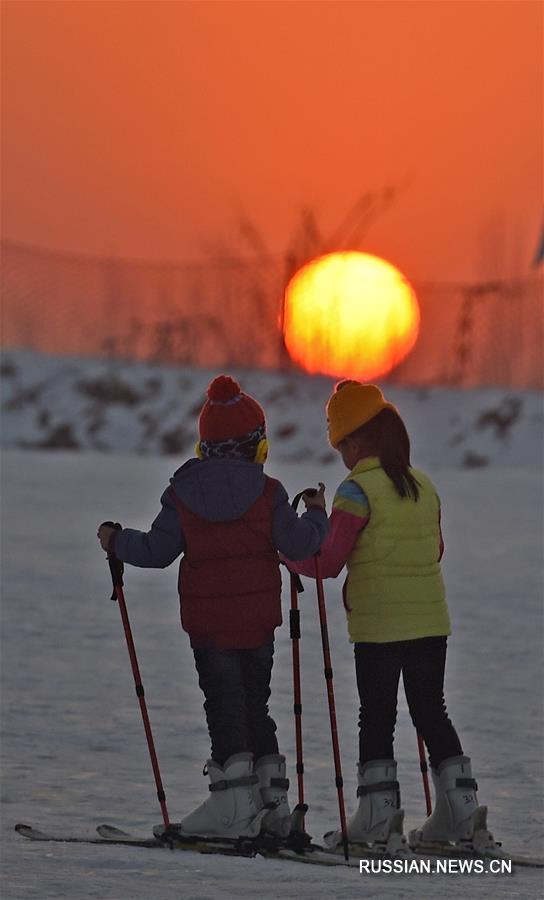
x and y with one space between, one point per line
228 412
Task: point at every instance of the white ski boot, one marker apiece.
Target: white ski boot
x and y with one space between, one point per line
234 808
378 819
456 818
273 784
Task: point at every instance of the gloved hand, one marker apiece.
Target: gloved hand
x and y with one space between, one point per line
104 533
313 497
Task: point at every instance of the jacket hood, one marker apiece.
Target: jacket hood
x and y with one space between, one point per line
219 490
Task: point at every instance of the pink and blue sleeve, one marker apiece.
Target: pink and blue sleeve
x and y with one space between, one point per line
350 513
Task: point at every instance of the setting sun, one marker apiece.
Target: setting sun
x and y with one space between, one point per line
350 314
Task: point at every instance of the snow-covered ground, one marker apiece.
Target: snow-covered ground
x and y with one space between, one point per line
105 405
73 748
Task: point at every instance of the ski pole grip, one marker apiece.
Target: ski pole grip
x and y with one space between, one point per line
295 579
116 566
295 502
298 582
311 492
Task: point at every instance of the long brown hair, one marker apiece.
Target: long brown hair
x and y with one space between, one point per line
386 436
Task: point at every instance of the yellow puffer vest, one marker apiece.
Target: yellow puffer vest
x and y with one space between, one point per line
394 589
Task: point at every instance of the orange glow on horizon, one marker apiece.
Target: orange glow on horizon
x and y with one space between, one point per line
149 130
350 314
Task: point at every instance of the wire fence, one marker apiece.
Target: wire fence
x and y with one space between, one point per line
228 312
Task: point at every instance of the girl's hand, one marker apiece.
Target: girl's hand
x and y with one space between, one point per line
315 498
103 534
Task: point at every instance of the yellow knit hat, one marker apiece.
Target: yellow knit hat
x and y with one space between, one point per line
352 405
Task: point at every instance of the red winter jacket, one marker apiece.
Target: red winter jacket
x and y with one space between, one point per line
229 519
229 578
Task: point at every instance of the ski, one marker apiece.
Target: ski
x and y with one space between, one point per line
198 845
35 834
267 847
449 851
482 846
312 855
249 847
109 835
322 855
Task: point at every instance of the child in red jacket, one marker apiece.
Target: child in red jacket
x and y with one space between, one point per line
229 520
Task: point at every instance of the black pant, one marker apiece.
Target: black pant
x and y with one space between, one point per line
236 685
422 663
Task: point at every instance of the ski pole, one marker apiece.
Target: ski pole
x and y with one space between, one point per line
294 633
424 773
294 629
332 709
329 682
116 569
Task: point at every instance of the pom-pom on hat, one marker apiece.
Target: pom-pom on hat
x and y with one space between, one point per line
352 405
228 412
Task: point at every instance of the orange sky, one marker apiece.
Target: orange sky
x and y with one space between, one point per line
146 128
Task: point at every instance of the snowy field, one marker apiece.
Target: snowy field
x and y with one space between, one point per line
73 748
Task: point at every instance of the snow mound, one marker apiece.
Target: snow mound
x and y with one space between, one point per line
117 406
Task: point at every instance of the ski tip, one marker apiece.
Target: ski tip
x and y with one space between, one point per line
21 828
29 832
110 831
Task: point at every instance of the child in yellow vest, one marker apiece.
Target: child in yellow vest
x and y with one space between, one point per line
385 527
